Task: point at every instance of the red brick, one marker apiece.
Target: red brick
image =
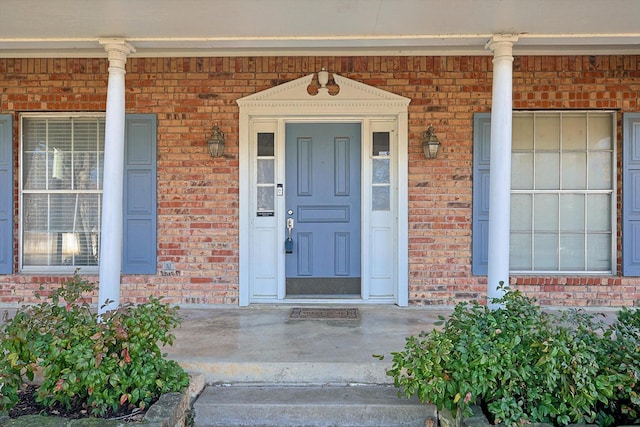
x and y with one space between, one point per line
198 196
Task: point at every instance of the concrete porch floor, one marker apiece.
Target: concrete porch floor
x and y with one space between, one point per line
260 344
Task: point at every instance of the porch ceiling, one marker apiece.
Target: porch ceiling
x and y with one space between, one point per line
72 28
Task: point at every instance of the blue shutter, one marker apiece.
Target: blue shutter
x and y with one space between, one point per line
6 194
140 200
481 156
631 195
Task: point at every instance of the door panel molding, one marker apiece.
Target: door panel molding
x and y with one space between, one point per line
305 167
342 167
342 249
305 249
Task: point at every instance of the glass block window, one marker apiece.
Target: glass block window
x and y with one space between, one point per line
266 183
562 192
61 189
381 178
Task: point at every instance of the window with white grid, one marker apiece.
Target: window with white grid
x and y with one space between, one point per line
563 192
61 187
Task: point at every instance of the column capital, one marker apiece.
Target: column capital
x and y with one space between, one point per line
502 45
117 51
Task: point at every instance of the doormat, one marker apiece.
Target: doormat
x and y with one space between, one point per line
324 313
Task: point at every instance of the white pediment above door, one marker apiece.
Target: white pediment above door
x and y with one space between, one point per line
352 96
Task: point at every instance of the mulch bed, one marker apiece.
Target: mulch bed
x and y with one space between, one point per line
27 405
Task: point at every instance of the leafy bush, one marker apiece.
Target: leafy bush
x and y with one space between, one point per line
622 351
101 364
526 365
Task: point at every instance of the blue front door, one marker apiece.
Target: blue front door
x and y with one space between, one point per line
323 200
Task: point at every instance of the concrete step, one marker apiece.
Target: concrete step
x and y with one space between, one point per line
371 372
309 406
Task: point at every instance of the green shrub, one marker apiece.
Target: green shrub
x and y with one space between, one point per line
622 352
102 364
525 365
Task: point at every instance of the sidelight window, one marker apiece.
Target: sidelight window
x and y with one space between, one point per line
266 174
381 178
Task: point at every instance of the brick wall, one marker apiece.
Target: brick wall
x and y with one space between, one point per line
198 196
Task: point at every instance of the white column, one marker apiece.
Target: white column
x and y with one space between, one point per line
112 184
500 161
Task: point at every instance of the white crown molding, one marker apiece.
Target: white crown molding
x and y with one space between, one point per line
435 45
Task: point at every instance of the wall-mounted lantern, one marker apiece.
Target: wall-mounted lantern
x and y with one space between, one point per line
430 143
216 142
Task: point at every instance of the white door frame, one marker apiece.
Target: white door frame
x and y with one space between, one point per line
269 111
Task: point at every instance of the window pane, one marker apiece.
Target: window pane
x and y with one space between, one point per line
546 252
85 134
36 212
521 212
34 135
380 171
600 170
266 171
100 169
547 171
59 134
35 169
547 133
380 198
60 170
574 132
266 199
546 212
62 213
520 251
599 212
574 171
85 171
599 252
572 252
381 144
600 131
39 248
87 228
266 145
572 212
522 130
522 171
